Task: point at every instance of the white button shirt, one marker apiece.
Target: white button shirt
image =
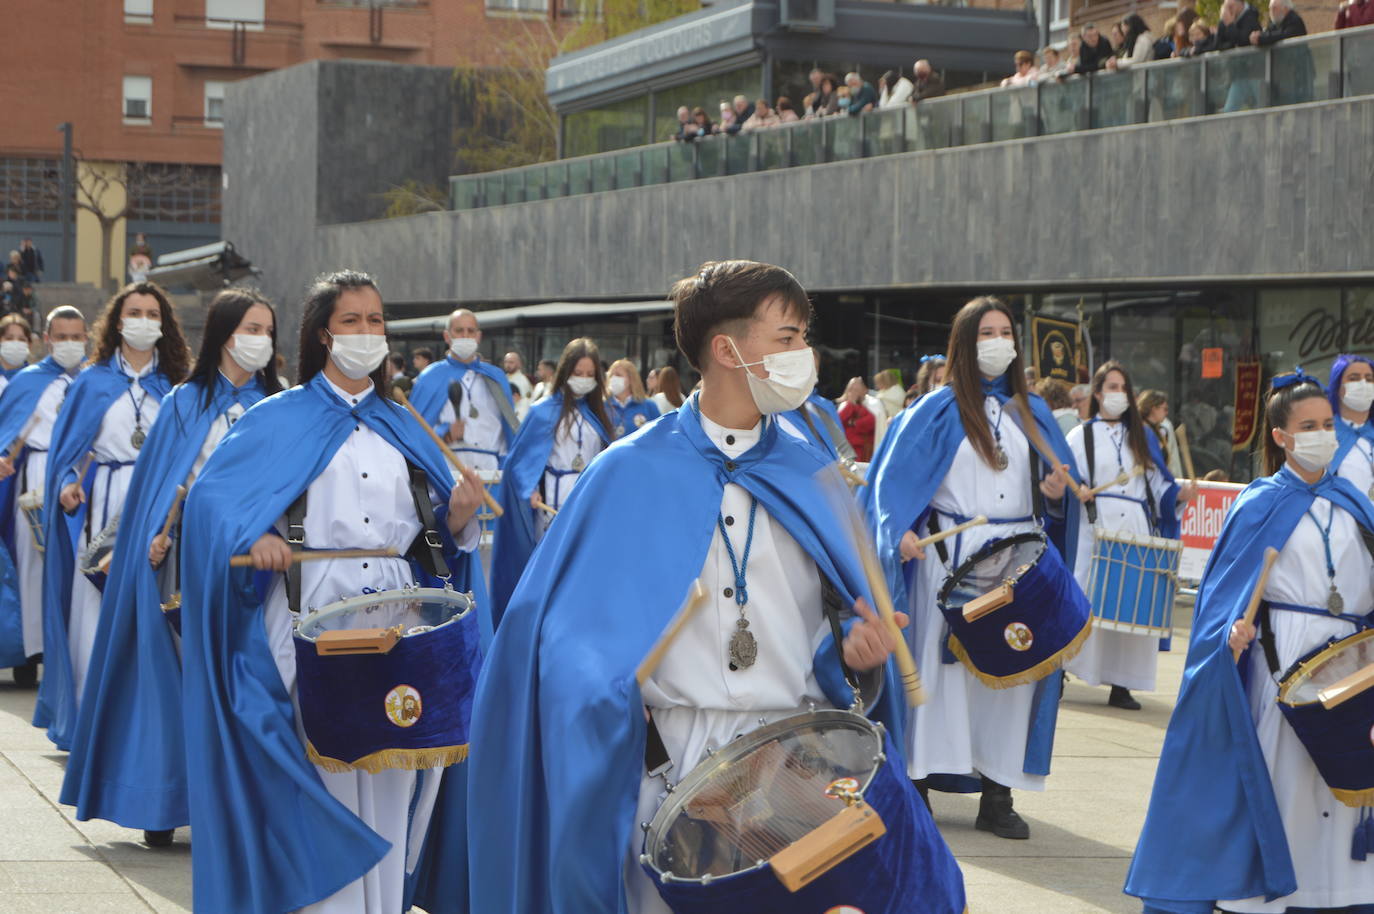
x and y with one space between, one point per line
482 432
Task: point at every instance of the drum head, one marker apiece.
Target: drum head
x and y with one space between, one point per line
998 561
761 793
1326 667
423 608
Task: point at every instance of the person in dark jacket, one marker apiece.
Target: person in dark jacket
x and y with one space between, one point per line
863 97
1095 51
31 260
1238 20
928 83
1284 22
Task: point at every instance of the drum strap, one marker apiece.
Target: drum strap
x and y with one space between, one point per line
1088 437
295 537
1266 638
428 547
1037 497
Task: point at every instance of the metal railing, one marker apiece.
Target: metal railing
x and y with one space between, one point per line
1321 67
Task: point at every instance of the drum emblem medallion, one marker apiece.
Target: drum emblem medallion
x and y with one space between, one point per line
1019 637
403 706
639 420
844 909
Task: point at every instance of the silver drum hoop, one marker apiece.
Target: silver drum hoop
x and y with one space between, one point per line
311 624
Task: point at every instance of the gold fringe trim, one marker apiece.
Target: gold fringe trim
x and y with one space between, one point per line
1035 673
394 759
1354 797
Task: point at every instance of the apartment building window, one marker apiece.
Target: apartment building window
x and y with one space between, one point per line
214 104
28 189
138 11
138 99
519 6
224 14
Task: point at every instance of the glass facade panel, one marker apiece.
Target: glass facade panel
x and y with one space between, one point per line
843 138
1235 81
772 146
494 191
808 143
1303 72
515 187
1063 106
654 165
889 131
977 123
706 94
579 177
1174 90
936 123
1358 62
737 154
556 180
681 166
627 170
613 126
1013 113
463 193
710 156
603 174
1113 99
535 179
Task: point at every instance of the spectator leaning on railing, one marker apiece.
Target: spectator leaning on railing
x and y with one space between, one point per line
1094 52
1138 47
763 116
1051 64
1284 22
894 90
1355 13
684 124
1238 20
928 83
1026 72
786 113
862 97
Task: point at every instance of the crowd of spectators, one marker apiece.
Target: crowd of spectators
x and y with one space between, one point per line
23 270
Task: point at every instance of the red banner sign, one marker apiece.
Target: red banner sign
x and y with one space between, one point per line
1202 524
1213 361
1247 413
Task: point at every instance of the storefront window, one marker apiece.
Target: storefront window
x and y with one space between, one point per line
617 125
704 93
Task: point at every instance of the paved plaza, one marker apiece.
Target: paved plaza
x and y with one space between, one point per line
1082 829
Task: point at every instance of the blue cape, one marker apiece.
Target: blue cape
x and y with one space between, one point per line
17 405
1213 829
78 423
813 428
559 730
628 419
515 530
1169 524
911 464
128 759
430 391
270 837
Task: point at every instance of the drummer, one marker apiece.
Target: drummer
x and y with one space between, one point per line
1112 444
275 832
1239 813
128 760
107 413
962 451
1351 394
14 347
560 723
627 406
560 437
28 410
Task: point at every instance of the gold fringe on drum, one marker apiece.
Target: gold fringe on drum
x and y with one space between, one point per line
394 759
1354 797
1035 673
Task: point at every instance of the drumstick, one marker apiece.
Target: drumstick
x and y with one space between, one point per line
1186 452
1032 433
696 595
23 437
1257 595
1345 689
952 531
174 513
877 585
1120 480
851 477
80 475
246 561
553 512
487 500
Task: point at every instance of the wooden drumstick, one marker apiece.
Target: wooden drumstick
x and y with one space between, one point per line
246 561
696 595
553 512
23 437
851 477
952 531
174 513
1257 595
1185 452
1120 480
80 475
1345 689
491 504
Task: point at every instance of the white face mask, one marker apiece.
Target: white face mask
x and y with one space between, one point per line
68 353
1358 395
463 348
791 378
141 333
252 351
1313 450
618 385
357 355
581 386
1115 403
14 352
995 356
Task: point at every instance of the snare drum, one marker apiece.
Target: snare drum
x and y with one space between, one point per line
1339 740
31 503
1133 581
1015 613
95 559
386 680
806 814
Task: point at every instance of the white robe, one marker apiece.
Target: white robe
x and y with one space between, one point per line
1112 657
114 467
697 701
1317 825
30 479
965 727
361 500
571 439
484 438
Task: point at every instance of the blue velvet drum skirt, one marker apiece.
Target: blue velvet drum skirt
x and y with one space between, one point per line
1340 739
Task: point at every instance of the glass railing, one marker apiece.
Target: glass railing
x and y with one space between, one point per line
1321 67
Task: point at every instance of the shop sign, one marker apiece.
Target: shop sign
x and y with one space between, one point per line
1202 525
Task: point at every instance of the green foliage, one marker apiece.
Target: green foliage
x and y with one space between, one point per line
412 198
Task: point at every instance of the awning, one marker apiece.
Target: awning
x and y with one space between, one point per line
549 312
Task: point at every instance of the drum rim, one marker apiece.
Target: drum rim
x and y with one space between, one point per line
395 595
987 549
1168 544
736 748
1301 671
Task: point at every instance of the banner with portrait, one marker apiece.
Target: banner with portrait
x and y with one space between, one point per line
1058 350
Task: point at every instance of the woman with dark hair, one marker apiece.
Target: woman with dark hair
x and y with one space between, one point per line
1240 817
700 124
331 464
555 444
669 395
16 340
104 421
1351 392
1137 45
972 448
128 761
1114 441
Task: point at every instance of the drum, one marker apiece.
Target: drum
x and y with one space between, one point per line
806 814
95 559
1015 613
31 503
386 680
1340 739
1132 582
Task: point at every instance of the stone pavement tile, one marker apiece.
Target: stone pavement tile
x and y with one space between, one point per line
91 877
1029 885
39 835
165 889
43 767
120 903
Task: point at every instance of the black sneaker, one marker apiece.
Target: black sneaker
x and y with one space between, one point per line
158 838
1121 698
995 813
26 676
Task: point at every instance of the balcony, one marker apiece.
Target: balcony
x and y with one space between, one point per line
1328 66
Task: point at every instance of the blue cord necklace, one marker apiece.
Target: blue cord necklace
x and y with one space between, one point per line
744 649
1335 603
